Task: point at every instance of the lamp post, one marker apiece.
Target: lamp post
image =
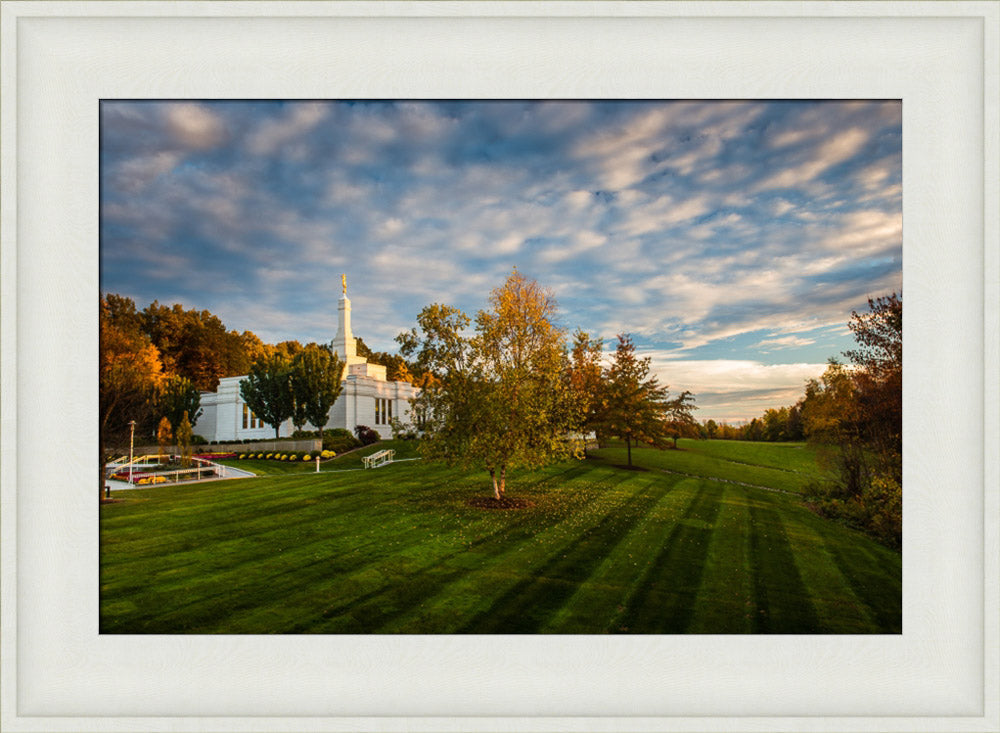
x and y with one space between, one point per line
131 444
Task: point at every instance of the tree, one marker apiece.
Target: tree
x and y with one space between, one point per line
857 411
680 421
316 385
878 377
179 395
195 344
711 429
498 399
184 439
586 383
267 390
130 376
776 424
523 359
164 434
636 408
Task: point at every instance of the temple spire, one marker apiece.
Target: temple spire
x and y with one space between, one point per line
344 343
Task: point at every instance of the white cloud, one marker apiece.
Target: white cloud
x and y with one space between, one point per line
785 342
273 134
781 206
389 228
194 126
135 174
834 151
579 243
734 389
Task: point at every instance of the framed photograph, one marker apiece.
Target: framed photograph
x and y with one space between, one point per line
63 63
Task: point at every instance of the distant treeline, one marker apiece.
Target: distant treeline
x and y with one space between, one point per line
775 425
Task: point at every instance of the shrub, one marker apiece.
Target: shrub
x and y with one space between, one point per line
306 457
199 440
878 511
366 435
401 430
339 440
242 456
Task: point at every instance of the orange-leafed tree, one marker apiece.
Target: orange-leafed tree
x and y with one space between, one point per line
131 375
164 434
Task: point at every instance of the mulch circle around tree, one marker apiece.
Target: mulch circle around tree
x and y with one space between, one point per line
490 502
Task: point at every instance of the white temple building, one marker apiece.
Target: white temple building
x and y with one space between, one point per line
367 398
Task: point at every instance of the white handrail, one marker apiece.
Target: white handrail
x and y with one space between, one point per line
379 459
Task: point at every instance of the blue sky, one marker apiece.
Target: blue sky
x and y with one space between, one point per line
731 239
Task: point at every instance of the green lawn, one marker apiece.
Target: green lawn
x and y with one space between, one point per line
400 550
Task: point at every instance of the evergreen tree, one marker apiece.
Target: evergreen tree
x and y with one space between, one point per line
183 436
636 407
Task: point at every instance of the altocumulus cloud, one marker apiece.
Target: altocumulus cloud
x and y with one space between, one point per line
733 234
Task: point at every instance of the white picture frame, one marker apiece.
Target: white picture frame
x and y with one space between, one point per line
60 58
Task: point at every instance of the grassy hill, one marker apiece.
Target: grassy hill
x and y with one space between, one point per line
709 539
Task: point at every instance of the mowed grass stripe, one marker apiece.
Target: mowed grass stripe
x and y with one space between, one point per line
664 601
783 603
601 598
528 604
837 606
486 594
726 602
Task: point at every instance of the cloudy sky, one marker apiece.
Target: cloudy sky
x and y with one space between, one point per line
731 239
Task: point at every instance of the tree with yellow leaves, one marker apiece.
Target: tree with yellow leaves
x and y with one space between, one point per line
498 399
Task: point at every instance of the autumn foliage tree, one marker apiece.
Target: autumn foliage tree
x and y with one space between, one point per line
130 377
498 399
585 377
857 410
195 344
164 434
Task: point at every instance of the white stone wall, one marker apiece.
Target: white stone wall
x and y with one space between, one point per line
222 418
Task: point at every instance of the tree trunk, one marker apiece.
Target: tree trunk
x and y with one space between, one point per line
493 478
628 447
503 480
